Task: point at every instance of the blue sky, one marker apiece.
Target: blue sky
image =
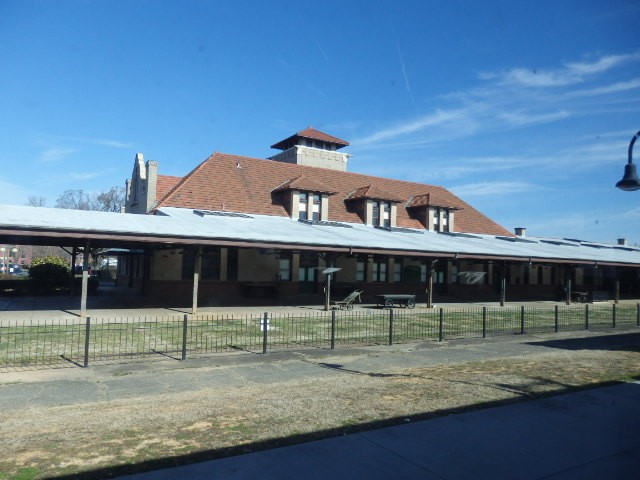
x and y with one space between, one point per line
523 109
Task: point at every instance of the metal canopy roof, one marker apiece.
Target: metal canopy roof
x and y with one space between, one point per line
52 226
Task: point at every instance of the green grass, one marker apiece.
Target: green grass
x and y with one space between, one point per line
22 474
62 342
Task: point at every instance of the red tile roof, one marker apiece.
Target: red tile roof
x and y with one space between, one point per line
373 192
165 183
429 200
304 183
243 184
312 134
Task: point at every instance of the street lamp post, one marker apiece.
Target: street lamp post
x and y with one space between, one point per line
630 180
327 292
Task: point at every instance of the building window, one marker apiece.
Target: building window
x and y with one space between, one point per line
232 263
381 214
303 202
379 271
397 271
210 266
441 219
285 269
361 270
308 269
445 220
209 263
316 207
310 206
454 274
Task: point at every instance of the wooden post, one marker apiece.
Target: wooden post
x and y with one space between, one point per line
567 288
503 284
85 281
430 283
196 277
74 253
617 293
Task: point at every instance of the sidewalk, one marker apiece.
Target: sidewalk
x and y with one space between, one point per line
56 307
591 434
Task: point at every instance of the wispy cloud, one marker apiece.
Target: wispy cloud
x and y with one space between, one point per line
570 73
613 88
526 118
403 67
439 117
62 139
492 188
505 100
59 147
55 154
84 176
324 54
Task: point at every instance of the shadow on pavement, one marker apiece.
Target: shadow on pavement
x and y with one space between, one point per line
620 342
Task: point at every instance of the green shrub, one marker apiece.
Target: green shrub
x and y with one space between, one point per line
50 270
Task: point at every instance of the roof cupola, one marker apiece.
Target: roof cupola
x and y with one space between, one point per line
312 148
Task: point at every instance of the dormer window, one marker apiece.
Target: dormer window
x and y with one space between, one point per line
381 213
316 207
310 206
375 206
303 202
433 213
440 219
306 198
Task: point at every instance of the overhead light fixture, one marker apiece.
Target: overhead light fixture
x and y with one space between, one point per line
630 180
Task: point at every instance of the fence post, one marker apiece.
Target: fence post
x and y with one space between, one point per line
615 314
184 336
391 326
638 315
265 334
333 329
586 317
441 325
522 320
484 322
555 319
87 334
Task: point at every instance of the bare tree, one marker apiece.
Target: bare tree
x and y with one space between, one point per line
113 200
109 201
35 201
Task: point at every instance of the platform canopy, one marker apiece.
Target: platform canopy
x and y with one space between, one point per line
179 226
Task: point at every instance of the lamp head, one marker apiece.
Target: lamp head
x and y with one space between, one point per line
630 180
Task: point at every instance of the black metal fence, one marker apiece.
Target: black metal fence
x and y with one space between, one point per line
81 342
